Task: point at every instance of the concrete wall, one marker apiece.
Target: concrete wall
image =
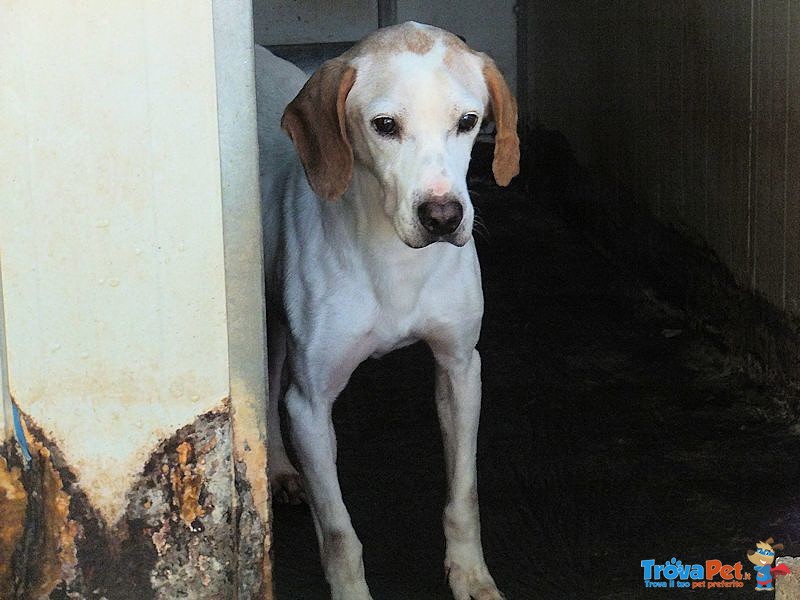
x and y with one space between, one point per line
492 31
111 235
691 105
132 301
309 21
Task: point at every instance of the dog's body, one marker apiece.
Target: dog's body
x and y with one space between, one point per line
386 132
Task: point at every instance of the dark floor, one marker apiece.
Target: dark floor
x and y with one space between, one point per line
611 432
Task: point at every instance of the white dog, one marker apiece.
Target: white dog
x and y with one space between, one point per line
368 229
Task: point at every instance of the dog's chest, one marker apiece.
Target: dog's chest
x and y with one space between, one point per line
411 300
398 323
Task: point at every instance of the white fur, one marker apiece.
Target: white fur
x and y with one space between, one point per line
344 284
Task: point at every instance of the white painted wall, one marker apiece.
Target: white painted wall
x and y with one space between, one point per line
111 247
6 427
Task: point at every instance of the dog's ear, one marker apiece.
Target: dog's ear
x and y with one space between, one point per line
504 113
315 120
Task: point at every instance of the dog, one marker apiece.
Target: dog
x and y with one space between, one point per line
368 248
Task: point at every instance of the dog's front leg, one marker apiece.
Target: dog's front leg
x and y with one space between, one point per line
314 441
458 401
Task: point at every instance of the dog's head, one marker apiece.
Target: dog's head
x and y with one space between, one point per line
405 104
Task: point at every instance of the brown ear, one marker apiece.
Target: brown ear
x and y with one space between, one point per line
504 109
778 546
315 120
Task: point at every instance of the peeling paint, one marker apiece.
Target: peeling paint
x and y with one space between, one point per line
13 500
253 543
88 435
57 555
184 500
46 554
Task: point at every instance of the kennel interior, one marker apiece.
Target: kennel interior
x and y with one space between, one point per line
642 282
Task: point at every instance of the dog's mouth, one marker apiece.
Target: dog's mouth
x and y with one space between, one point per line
423 239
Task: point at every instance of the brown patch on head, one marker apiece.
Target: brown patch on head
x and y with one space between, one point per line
418 41
405 37
455 49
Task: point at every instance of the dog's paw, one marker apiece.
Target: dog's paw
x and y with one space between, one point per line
287 488
471 583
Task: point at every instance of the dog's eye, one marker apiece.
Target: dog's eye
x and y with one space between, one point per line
467 122
385 126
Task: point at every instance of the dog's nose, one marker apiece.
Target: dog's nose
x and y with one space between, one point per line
440 218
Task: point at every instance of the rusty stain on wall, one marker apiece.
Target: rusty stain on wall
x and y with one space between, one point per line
254 542
250 457
13 500
187 480
45 553
178 537
55 551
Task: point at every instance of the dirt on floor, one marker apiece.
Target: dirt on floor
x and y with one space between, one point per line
615 429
